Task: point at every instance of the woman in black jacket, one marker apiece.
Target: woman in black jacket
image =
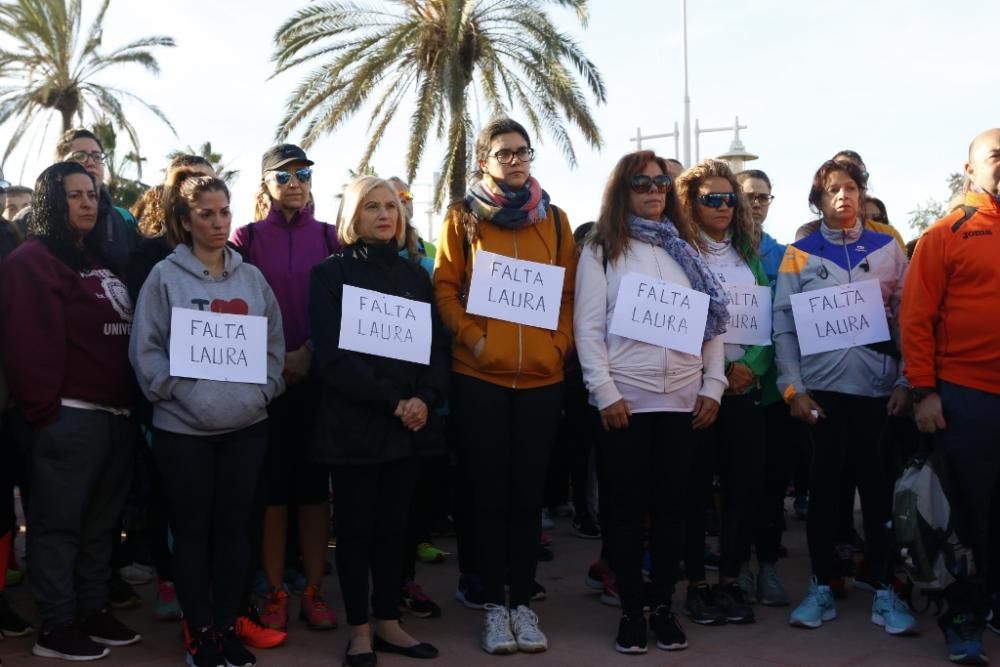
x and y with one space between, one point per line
377 414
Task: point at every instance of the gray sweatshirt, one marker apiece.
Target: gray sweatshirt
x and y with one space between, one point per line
202 407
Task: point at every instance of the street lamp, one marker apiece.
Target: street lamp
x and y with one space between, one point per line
737 156
640 137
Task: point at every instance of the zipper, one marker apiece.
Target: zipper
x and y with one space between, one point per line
520 333
847 254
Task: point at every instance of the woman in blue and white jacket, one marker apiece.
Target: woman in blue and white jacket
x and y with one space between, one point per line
843 395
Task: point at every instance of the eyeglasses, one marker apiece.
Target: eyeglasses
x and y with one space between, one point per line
717 199
405 196
281 177
642 184
506 156
763 200
81 156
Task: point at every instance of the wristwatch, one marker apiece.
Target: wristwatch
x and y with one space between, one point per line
920 393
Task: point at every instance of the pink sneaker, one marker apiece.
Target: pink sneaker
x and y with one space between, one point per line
165 606
275 614
315 611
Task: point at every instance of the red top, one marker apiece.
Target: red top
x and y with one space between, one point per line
65 334
950 314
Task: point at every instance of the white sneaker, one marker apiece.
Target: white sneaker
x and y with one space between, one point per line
529 638
137 574
497 637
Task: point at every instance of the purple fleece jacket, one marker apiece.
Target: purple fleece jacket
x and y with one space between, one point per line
285 252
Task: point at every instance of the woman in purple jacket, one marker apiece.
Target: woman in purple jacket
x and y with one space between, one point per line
285 243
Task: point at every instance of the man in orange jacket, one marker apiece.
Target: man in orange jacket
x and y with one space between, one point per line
950 323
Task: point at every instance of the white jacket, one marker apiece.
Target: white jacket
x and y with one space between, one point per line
607 359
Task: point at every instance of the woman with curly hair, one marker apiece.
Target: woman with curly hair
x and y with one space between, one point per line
67 320
736 445
652 399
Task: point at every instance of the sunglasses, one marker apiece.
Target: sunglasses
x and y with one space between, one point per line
405 196
281 177
717 199
763 200
81 156
642 184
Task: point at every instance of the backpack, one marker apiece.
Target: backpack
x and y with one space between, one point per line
926 521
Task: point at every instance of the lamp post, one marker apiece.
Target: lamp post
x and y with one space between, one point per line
687 98
737 156
640 137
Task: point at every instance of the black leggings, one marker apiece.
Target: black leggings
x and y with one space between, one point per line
849 440
647 469
506 436
785 436
373 504
210 483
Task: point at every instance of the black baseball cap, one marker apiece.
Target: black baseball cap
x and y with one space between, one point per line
278 156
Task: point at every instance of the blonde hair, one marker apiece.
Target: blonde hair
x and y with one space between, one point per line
350 208
746 235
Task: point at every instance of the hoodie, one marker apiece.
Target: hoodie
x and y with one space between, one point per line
202 407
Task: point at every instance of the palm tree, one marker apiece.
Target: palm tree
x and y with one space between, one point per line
444 52
214 158
52 66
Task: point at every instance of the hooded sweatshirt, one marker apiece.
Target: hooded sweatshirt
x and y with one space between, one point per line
203 407
827 258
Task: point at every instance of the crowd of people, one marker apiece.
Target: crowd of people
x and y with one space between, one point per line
518 366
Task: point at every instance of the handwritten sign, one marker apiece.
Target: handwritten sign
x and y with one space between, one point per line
749 315
835 318
660 313
516 290
218 346
385 325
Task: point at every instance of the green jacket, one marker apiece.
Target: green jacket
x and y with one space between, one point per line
760 358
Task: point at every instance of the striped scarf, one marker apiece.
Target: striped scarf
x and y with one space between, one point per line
510 209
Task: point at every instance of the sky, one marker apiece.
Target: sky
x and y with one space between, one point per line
906 83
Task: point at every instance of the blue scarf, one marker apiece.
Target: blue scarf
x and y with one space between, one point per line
664 234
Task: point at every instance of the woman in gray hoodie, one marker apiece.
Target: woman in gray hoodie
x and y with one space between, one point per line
209 436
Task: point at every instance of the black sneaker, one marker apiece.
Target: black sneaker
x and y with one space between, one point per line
701 608
104 628
121 594
202 648
538 592
11 624
470 591
631 634
545 555
732 601
667 630
584 526
68 643
234 651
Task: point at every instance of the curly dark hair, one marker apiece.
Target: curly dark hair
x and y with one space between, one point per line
819 182
49 218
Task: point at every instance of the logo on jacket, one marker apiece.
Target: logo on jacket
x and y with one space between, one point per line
114 291
976 232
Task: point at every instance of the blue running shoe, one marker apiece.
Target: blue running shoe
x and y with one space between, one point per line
815 608
891 613
964 636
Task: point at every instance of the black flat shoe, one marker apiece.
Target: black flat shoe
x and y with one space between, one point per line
359 659
422 651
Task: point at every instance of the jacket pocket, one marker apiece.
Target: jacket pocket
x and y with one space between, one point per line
541 356
500 352
223 406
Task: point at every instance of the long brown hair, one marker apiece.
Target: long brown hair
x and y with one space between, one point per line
148 210
611 229
746 235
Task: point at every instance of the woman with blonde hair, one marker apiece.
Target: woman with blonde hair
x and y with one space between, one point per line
377 416
652 399
736 445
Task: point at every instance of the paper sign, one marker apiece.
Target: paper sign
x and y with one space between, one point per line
385 325
516 290
660 313
218 346
749 315
835 318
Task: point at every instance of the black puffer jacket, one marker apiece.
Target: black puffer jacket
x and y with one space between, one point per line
361 391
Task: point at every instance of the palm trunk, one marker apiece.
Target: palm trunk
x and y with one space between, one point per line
67 118
460 164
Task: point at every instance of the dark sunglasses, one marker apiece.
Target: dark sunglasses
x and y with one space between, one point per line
281 177
642 184
717 199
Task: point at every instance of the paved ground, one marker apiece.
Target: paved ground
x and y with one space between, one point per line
580 629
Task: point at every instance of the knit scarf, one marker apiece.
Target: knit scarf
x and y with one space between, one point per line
665 235
510 209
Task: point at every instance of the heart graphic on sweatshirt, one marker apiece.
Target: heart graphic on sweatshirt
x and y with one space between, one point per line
233 307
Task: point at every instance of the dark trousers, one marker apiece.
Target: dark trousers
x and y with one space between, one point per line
647 469
159 523
784 442
971 446
849 440
210 483
424 508
507 435
80 468
372 509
